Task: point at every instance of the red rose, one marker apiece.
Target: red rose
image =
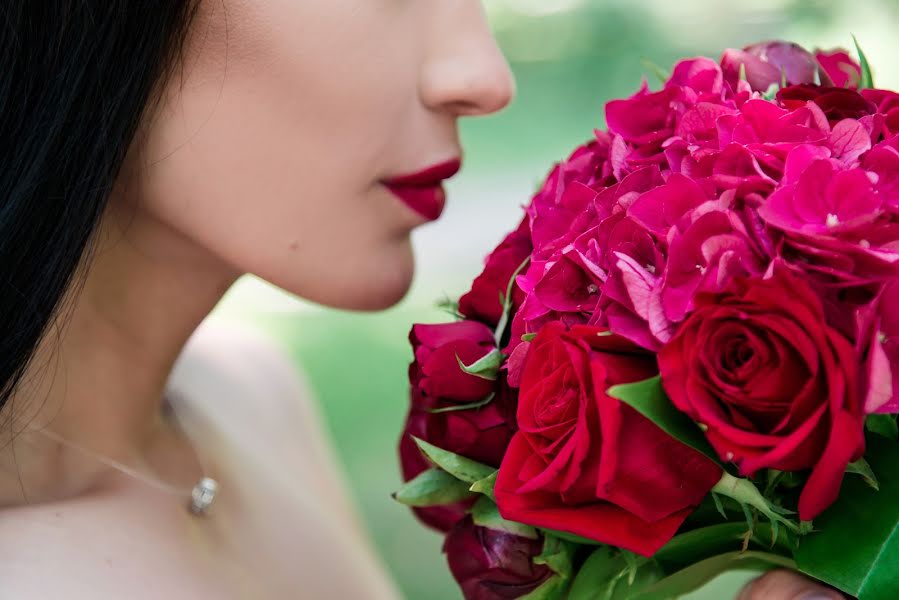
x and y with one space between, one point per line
776 386
437 382
482 302
585 463
491 565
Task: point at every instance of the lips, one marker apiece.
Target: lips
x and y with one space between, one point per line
423 191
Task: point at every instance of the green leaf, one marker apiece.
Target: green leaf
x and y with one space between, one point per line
487 367
700 573
861 467
633 563
856 545
485 485
866 81
554 588
457 407
449 306
884 425
528 337
432 488
596 574
649 399
698 544
745 492
718 505
606 575
558 555
656 70
485 514
459 467
771 93
507 302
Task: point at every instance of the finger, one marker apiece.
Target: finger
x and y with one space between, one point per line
786 585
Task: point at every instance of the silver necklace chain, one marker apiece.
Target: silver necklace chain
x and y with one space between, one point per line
201 495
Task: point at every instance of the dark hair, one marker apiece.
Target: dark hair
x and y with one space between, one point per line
76 77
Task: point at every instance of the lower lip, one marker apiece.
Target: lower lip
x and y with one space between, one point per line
427 201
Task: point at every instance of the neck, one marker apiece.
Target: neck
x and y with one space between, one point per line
98 376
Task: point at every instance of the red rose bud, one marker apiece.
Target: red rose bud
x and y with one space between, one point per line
585 463
482 302
481 434
774 384
438 382
490 565
769 63
840 68
438 349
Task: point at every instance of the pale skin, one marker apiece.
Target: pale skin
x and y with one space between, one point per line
266 157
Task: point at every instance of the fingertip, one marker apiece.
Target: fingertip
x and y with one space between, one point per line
783 584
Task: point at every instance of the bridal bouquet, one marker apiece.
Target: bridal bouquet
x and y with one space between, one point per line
685 360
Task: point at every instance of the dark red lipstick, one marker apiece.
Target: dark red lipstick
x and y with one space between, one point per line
423 191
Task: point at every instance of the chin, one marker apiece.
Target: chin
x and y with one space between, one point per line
383 288
366 287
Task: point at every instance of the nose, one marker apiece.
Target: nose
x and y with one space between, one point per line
466 73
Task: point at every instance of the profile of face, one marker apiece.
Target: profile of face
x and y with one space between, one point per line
276 134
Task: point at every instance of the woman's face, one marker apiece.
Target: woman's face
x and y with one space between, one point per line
271 148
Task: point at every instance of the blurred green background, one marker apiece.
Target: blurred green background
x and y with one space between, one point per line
569 58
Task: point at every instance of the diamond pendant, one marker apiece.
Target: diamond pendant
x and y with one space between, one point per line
203 495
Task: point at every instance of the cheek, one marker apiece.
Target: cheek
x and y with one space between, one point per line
331 248
270 163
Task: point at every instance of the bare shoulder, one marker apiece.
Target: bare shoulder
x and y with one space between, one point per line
248 376
246 359
258 393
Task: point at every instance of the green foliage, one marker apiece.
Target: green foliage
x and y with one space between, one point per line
884 425
506 301
704 542
469 406
610 574
745 492
554 588
869 521
485 513
432 488
486 367
867 77
558 555
450 307
485 485
661 74
461 468
698 574
861 467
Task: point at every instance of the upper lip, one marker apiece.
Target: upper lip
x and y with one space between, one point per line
429 176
